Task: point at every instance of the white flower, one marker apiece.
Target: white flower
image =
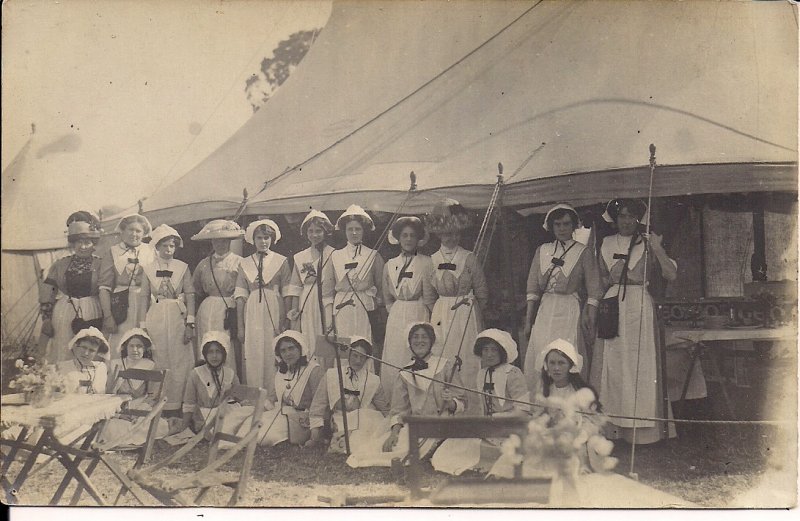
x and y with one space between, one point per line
19 363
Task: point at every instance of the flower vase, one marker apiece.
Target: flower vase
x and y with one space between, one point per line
41 396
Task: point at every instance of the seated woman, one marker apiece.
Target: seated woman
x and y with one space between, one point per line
290 397
498 378
82 373
364 401
136 349
415 393
209 381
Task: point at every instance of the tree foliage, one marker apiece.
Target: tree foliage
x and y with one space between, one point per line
277 68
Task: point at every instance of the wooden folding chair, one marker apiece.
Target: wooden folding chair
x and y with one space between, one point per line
170 491
151 418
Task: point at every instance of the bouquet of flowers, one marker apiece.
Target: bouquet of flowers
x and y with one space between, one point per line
561 443
38 381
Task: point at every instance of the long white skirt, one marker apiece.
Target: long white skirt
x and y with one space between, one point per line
619 391
310 323
261 320
395 346
211 317
370 452
131 321
166 326
352 319
461 324
131 430
558 317
456 455
63 314
364 425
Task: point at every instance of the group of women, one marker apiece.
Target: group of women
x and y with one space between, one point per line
260 319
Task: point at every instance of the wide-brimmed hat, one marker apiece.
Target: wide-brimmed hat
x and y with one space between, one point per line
635 206
316 214
414 222
501 338
136 331
251 229
162 232
90 332
86 216
355 212
567 349
218 229
82 229
560 206
448 216
148 228
297 336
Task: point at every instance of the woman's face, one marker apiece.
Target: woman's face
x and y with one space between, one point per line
289 352
354 232
221 246
449 240
85 351
357 358
626 223
408 239
215 354
490 354
558 368
420 343
135 349
262 240
83 247
315 234
166 248
563 228
133 234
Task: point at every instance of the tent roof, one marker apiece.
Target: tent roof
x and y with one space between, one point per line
567 95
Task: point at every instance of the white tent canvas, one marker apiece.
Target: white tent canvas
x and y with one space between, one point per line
567 95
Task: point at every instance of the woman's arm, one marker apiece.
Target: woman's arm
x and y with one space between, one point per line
144 298
188 288
240 294
669 268
388 297
479 286
106 280
533 292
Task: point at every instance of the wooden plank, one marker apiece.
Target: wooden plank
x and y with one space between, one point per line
466 426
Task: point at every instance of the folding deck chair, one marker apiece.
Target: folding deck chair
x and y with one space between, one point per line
170 490
122 443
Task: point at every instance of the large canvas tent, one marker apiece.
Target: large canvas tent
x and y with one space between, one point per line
567 95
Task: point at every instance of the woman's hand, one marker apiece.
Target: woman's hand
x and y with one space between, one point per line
284 324
589 322
448 400
654 240
47 328
391 441
240 334
188 333
109 326
528 328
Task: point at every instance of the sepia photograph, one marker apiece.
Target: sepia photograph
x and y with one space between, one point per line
486 254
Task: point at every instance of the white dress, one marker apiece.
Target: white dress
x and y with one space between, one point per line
303 285
403 297
357 270
166 324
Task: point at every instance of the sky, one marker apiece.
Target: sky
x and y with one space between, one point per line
133 93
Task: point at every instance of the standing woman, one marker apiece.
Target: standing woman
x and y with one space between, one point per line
69 295
312 281
457 282
617 353
214 282
170 317
260 310
402 293
121 277
561 272
358 270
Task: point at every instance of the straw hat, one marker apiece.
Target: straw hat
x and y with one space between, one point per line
219 229
251 229
82 230
448 216
414 222
162 232
355 212
502 338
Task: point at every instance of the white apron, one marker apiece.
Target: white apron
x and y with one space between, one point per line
63 314
558 317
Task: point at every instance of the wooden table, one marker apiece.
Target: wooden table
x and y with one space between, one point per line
699 339
58 418
438 427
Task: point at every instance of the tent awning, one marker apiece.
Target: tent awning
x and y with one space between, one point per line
567 95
